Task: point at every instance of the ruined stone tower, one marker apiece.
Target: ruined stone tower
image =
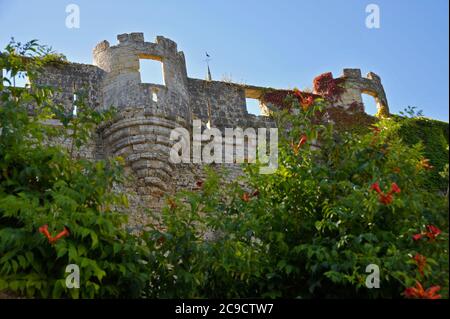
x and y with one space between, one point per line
148 112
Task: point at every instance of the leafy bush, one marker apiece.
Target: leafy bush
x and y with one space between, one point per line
204 246
336 204
43 184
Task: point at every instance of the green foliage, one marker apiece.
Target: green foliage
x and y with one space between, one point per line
308 230
202 249
312 228
42 183
433 135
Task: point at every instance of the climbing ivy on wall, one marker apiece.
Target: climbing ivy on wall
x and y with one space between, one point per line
434 136
283 99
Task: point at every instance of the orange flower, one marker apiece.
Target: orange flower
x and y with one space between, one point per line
44 230
421 261
62 234
432 232
245 197
376 187
300 143
306 102
420 293
395 188
385 199
303 140
425 164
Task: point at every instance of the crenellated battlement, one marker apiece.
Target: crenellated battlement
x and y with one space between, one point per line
371 84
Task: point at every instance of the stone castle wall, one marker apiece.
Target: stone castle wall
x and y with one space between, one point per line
148 112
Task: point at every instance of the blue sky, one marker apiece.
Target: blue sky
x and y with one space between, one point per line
282 44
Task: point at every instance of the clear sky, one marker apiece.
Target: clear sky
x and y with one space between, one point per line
282 44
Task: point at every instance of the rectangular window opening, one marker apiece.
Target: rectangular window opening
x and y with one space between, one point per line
151 71
253 106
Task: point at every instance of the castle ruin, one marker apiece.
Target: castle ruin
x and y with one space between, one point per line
148 112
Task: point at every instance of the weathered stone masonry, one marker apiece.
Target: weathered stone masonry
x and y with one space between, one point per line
148 112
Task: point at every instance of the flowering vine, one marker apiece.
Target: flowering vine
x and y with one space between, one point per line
52 240
419 292
296 147
425 164
385 198
431 233
421 261
305 99
280 98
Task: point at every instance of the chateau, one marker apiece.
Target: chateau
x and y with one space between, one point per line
148 112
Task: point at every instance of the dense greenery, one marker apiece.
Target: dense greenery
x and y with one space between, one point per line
308 230
312 228
434 136
43 184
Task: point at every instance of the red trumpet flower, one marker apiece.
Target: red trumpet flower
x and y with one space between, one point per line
62 234
300 143
420 293
385 199
395 188
421 261
44 230
432 232
303 140
305 100
376 187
